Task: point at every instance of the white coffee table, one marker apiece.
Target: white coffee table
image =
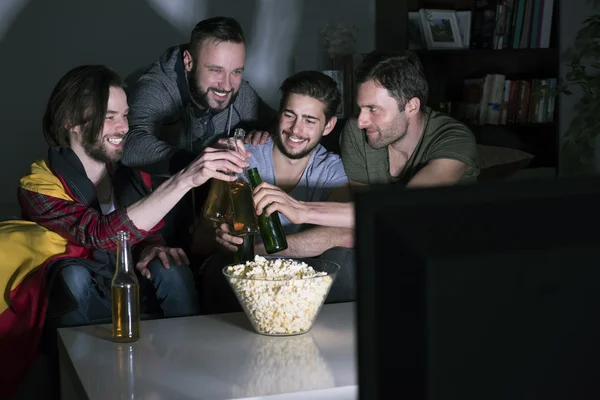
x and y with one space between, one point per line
212 357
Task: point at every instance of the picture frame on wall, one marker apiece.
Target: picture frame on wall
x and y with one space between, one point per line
416 39
440 28
338 77
464 26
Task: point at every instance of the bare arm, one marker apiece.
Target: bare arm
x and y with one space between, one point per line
334 213
313 242
338 212
439 172
147 212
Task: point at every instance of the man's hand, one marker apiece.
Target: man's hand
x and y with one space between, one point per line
160 252
213 163
257 137
223 144
227 240
275 199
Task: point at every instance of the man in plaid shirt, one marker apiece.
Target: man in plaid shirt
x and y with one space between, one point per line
83 193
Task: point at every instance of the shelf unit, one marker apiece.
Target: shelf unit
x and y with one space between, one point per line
446 70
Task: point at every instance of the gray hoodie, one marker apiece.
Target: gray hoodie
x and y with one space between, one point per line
167 131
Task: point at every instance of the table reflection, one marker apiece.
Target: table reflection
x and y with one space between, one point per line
283 365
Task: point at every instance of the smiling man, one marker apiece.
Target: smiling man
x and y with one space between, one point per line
84 194
295 168
188 99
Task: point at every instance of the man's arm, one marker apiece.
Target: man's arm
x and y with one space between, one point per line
82 224
77 222
313 242
439 172
150 106
337 213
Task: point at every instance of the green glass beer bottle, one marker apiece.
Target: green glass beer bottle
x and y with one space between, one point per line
270 227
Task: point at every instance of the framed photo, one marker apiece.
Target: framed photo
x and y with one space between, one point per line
464 26
416 39
441 29
338 77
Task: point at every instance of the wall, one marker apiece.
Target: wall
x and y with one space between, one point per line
572 14
40 40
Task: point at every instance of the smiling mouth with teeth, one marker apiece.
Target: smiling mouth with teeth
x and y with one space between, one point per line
115 141
220 93
296 140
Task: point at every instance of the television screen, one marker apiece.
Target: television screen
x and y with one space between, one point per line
479 292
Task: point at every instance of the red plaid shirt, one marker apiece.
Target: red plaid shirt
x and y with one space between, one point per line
82 225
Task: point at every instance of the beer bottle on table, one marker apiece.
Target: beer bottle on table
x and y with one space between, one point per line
271 229
125 290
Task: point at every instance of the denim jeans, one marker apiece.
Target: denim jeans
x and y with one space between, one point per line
174 290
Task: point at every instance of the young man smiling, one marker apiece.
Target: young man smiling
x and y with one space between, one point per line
296 166
83 193
188 99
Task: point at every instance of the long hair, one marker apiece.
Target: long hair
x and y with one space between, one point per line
80 98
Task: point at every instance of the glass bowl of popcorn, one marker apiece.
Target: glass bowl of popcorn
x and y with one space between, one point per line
281 296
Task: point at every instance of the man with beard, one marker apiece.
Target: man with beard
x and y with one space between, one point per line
84 194
188 99
396 139
295 165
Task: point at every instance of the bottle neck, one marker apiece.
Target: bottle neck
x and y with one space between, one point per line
254 177
232 145
124 258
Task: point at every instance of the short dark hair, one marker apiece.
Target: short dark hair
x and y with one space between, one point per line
314 84
221 29
80 98
400 73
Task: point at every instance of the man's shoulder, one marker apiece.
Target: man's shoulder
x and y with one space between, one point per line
158 79
246 95
439 124
326 157
262 155
40 178
327 162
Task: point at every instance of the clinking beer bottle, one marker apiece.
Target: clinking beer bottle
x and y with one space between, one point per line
270 227
242 207
125 294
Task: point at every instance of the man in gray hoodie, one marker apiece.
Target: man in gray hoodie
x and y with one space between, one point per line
188 99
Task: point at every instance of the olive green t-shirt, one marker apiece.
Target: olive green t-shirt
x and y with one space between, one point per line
443 137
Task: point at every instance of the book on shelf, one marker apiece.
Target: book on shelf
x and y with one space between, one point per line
512 24
496 100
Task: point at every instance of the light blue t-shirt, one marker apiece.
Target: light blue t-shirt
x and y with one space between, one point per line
323 173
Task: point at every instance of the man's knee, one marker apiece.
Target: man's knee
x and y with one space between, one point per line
177 277
77 280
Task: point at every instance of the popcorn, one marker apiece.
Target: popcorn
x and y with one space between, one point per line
281 297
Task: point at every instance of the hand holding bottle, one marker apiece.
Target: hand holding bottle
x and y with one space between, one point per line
213 163
269 199
226 239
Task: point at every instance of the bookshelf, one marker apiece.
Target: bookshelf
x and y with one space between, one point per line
448 69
